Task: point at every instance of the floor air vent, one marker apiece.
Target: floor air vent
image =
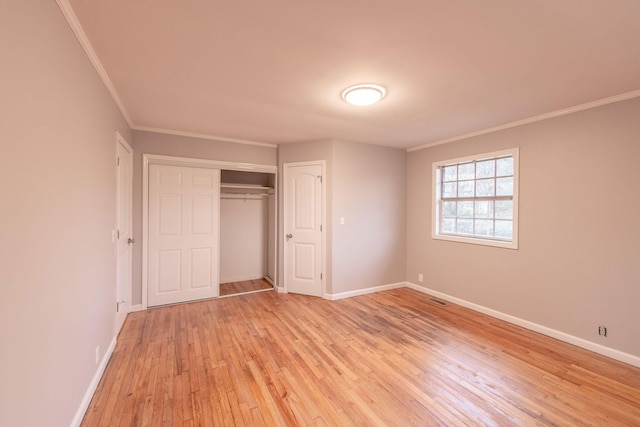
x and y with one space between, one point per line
437 301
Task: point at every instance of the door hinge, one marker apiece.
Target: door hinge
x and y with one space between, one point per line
320 176
118 161
320 276
320 227
117 307
118 234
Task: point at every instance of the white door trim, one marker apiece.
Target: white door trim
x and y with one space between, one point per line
148 159
208 164
323 253
121 141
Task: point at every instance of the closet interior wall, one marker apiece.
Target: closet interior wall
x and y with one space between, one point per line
247 226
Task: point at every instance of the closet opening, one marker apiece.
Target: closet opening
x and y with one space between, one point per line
247 232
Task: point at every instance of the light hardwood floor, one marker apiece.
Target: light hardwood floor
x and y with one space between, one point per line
245 286
393 358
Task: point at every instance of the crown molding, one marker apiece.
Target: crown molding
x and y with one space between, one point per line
202 136
72 19
545 116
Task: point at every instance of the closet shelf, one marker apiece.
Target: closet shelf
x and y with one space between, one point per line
245 188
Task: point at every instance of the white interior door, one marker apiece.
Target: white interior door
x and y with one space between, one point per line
184 206
303 228
124 236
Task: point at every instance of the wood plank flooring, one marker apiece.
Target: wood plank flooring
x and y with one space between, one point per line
245 286
388 359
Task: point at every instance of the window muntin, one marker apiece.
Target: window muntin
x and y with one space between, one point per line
476 199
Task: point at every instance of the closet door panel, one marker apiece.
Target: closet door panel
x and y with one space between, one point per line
183 234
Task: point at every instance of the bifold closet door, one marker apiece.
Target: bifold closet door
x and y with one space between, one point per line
184 207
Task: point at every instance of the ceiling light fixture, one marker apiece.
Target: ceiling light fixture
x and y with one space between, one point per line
365 94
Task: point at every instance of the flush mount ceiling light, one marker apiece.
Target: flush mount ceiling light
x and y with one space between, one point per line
363 94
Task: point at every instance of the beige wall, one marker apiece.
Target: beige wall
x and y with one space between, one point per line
243 238
369 193
366 185
181 146
578 265
57 186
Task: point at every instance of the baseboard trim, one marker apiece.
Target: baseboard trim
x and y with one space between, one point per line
280 289
134 308
86 400
364 291
553 333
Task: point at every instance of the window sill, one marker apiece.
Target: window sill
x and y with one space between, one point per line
474 241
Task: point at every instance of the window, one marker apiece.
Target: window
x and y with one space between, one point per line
476 199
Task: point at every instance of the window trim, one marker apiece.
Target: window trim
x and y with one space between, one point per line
435 199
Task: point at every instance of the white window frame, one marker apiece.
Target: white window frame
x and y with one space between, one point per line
436 197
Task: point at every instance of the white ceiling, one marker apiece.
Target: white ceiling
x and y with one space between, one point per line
272 71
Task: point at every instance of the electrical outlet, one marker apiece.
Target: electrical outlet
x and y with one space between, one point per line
97 354
420 277
602 330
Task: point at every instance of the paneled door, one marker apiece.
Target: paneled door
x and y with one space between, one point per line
124 236
303 228
184 206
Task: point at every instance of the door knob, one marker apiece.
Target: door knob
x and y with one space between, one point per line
130 241
288 236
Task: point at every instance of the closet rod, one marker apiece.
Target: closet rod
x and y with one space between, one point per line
247 196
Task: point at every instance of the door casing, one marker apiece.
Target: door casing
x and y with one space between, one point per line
123 232
148 159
